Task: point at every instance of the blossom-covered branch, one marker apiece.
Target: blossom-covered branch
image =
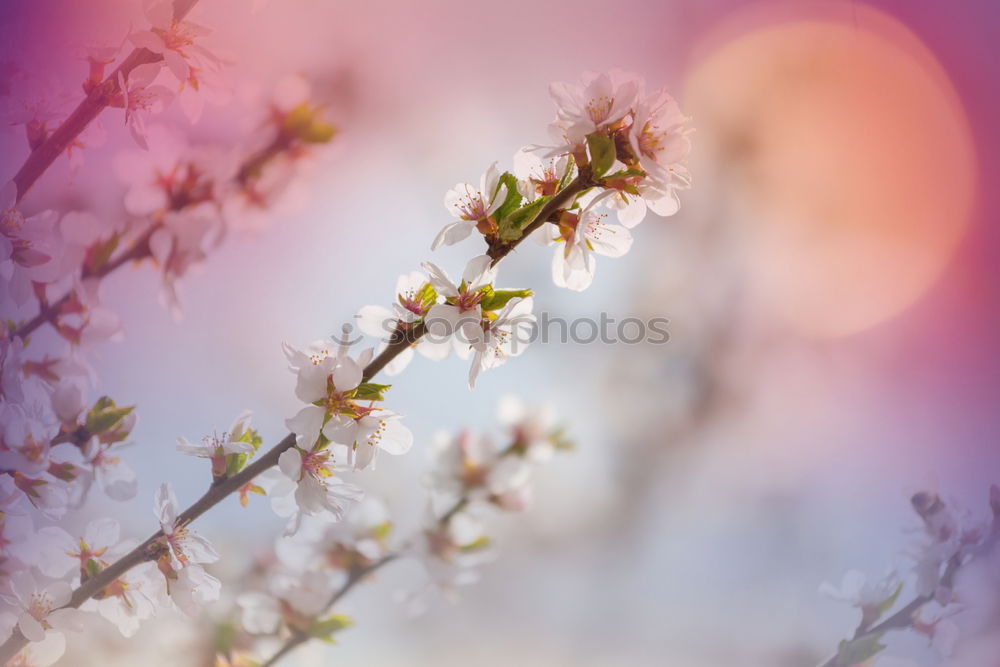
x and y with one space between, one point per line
615 147
470 473
951 544
100 95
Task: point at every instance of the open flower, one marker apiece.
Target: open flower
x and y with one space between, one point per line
600 101
471 466
217 447
294 600
584 235
501 335
183 547
473 207
317 489
414 298
537 177
461 312
129 599
173 40
339 410
660 141
40 607
138 96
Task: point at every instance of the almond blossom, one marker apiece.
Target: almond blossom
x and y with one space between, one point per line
659 140
471 466
58 554
338 410
414 298
317 489
27 245
40 607
537 177
181 554
501 336
218 447
138 96
129 599
473 206
462 308
583 235
599 101
173 40
293 599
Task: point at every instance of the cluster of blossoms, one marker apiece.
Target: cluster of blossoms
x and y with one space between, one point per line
615 148
293 592
55 444
951 542
470 317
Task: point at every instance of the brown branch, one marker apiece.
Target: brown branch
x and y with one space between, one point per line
404 337
498 250
42 157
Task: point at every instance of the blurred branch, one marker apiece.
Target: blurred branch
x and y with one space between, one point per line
42 157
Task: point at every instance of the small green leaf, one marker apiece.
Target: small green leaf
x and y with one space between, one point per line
888 603
513 199
92 568
235 463
856 651
105 416
602 152
499 298
370 391
568 176
631 172
511 226
324 628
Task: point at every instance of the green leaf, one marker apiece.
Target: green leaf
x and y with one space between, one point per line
512 225
235 463
631 172
324 628
853 652
92 568
513 199
602 152
370 391
499 298
568 176
105 416
888 603
428 295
